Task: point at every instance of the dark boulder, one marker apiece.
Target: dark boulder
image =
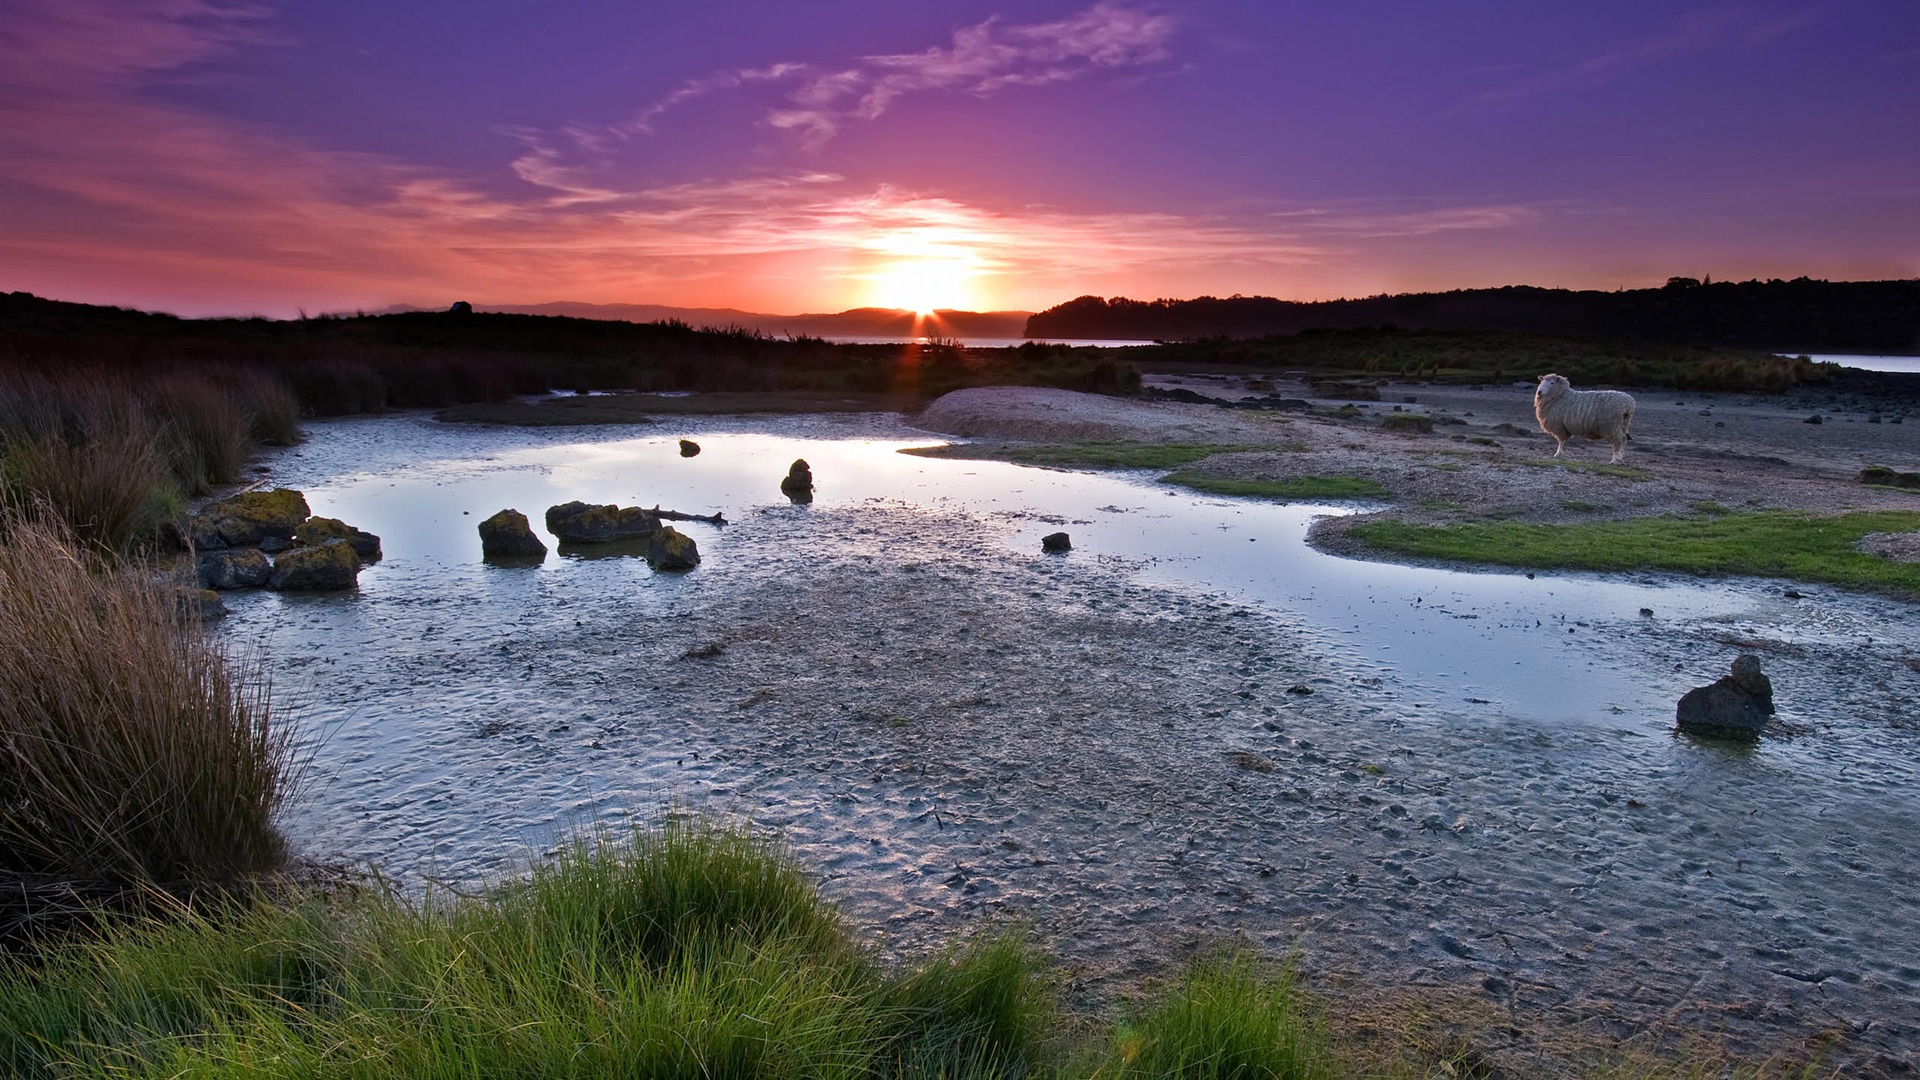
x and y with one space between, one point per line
238 568
1881 476
1056 543
249 519
460 307
798 485
689 448
670 549
323 567
508 535
1410 423
315 531
1736 705
581 523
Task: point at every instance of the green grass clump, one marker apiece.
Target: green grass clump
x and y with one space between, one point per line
132 752
1293 487
1224 1019
1772 543
684 950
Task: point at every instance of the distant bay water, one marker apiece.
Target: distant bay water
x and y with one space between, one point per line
983 342
1866 363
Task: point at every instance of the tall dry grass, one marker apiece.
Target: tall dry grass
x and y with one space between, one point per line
132 750
85 455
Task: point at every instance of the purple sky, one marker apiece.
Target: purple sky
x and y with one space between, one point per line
235 156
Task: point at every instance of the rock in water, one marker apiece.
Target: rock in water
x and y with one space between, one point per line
240 568
579 523
1737 705
688 448
508 535
319 530
670 549
331 565
1055 543
249 519
798 485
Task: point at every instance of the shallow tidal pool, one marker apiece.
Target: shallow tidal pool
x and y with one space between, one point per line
1192 725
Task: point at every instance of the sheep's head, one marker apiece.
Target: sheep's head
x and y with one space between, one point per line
1551 386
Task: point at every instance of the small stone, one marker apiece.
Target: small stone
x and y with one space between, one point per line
238 568
319 530
798 484
579 523
1738 705
508 535
1814 419
330 566
670 549
689 448
1056 543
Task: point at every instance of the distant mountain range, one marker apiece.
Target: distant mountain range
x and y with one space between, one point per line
1802 315
856 322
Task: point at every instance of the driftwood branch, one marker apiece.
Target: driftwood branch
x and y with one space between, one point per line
675 515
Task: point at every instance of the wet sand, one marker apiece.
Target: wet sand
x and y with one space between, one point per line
951 732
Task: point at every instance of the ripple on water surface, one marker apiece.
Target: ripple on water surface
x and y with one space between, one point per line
1482 782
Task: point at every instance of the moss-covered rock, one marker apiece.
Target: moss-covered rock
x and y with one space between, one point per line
323 567
319 530
508 535
1881 476
582 523
249 518
1409 423
237 568
671 549
798 484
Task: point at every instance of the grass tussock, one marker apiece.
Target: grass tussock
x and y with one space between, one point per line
114 455
683 949
1292 487
1773 543
132 751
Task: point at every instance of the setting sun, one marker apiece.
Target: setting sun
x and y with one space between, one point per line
923 285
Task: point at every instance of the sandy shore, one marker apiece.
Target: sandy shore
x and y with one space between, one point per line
1487 455
950 731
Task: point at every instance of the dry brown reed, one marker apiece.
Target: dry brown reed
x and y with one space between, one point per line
85 453
132 750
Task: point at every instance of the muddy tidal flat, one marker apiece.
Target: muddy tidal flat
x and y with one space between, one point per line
1131 748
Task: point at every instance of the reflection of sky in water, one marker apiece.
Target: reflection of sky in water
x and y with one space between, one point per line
1478 642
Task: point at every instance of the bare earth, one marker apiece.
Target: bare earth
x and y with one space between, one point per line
949 732
1487 455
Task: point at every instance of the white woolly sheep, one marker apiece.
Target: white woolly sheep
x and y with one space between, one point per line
1564 412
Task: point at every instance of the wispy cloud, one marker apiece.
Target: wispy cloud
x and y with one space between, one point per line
73 45
982 59
1695 32
162 200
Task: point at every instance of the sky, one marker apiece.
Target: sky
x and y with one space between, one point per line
215 157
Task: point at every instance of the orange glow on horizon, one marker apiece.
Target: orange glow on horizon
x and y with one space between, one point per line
923 286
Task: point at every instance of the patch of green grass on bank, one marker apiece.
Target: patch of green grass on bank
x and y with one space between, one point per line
1293 487
1773 543
1083 455
684 950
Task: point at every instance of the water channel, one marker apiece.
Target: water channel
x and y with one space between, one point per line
1192 725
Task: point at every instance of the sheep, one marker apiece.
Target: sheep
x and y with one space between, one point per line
1564 412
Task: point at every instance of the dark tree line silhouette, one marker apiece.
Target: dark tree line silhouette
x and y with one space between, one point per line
1798 316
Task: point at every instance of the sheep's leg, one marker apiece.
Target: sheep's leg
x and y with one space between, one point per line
1619 450
1559 444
